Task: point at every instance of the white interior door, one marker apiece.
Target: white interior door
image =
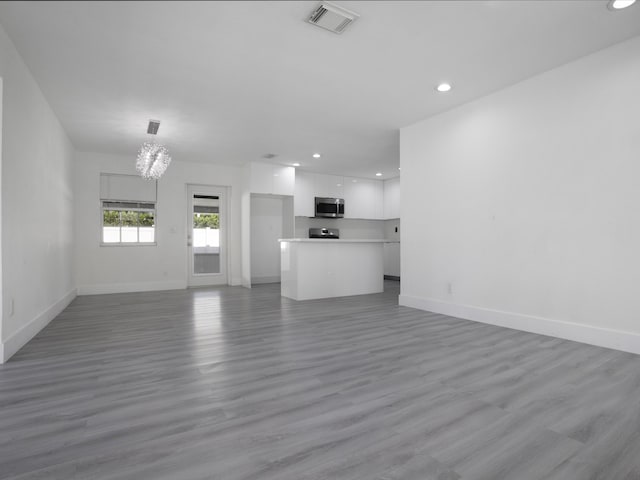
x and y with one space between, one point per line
207 235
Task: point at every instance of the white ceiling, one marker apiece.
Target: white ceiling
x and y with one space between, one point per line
232 81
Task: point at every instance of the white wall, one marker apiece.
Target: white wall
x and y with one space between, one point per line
266 228
1 289
245 240
107 269
522 208
37 195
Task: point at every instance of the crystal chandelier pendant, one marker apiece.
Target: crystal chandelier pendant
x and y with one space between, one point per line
153 158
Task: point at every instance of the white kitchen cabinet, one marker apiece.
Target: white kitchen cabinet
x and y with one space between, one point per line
363 198
354 198
316 268
328 185
261 180
303 200
284 179
391 198
271 179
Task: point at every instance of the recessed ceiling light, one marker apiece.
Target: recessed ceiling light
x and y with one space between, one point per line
398 168
295 164
378 174
620 4
316 155
443 87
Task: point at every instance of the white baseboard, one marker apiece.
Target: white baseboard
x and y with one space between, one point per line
601 337
20 338
105 288
236 281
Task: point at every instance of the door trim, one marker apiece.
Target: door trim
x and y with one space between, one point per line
222 278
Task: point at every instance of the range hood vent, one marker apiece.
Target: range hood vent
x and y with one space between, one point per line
332 17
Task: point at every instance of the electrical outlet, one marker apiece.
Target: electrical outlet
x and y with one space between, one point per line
450 288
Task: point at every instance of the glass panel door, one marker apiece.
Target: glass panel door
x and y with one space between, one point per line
206 236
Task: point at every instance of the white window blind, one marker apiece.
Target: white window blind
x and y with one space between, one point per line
130 188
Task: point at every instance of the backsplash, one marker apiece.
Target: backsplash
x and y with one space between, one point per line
350 228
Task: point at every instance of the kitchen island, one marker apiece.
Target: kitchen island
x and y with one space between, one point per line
323 268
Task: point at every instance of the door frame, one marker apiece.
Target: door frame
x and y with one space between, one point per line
222 278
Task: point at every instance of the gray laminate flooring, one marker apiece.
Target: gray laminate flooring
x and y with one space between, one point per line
229 384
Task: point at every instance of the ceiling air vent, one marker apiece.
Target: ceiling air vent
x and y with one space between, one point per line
332 17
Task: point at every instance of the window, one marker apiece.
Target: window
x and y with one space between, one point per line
128 222
128 205
206 224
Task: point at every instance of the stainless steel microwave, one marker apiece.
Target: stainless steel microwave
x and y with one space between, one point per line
329 207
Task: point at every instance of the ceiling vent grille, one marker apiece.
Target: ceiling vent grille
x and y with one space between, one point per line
332 17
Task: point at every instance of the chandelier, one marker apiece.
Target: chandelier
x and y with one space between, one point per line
153 158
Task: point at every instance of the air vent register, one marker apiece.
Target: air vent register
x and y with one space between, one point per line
332 17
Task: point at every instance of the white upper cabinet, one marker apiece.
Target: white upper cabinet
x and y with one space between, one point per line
303 200
363 198
261 180
311 185
329 186
392 198
284 180
272 179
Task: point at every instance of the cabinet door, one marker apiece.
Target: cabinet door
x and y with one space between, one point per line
320 185
366 197
283 180
304 192
272 179
335 186
363 198
328 186
352 198
261 178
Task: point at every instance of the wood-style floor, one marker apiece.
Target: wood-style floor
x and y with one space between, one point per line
229 384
